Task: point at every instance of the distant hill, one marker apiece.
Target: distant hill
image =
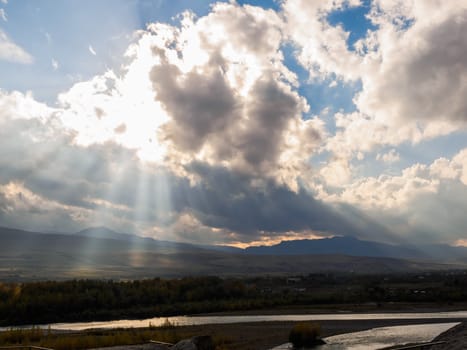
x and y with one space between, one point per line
103 253
336 245
355 247
106 233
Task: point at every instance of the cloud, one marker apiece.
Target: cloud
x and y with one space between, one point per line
55 64
229 202
421 73
357 133
48 181
91 50
411 66
390 157
9 51
3 15
65 185
336 172
203 134
321 47
420 203
229 101
200 105
48 37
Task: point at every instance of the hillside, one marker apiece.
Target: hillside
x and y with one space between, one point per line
101 253
355 247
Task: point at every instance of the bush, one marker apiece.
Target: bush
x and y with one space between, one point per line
305 334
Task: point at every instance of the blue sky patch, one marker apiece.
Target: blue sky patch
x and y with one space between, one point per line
353 20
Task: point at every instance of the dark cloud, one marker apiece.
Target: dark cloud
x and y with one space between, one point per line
201 104
231 201
270 109
69 176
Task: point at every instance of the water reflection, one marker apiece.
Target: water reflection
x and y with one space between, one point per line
378 338
200 320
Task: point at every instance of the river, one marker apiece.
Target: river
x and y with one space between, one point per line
200 320
383 337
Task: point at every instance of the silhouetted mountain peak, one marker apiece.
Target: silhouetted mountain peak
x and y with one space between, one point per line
105 233
347 245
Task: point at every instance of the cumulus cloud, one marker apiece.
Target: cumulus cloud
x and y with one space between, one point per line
9 51
419 203
421 72
228 95
411 67
389 157
203 135
322 47
230 202
48 181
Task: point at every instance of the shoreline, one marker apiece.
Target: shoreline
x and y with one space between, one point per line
373 308
264 335
267 335
343 312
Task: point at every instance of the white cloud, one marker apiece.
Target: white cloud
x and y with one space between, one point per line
95 109
396 191
390 157
16 105
48 37
229 96
3 15
424 202
420 72
390 192
412 68
211 100
19 202
55 64
9 51
91 50
322 48
336 172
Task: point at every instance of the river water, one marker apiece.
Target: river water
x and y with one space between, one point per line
200 320
372 339
378 338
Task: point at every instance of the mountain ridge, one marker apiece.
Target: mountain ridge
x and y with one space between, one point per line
353 246
26 255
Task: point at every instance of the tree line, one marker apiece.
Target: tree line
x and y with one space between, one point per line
94 300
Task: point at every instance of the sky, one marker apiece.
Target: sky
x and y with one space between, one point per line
235 122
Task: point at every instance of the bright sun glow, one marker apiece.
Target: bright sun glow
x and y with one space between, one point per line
461 243
119 109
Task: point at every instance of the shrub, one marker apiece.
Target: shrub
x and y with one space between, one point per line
305 334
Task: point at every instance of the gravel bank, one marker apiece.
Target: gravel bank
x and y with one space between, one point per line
455 338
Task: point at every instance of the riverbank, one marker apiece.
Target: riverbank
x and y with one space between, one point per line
266 335
246 330
369 307
236 336
455 338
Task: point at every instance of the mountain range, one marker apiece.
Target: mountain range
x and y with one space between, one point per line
103 253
